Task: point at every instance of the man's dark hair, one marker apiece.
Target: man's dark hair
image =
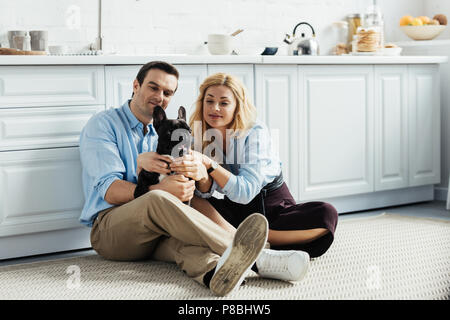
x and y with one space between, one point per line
161 65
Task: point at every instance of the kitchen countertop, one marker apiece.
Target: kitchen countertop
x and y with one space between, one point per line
211 59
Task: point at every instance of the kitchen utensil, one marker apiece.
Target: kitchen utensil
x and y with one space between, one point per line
237 32
270 51
11 35
39 40
302 45
427 32
221 44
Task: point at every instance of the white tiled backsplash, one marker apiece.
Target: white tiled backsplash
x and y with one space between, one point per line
178 26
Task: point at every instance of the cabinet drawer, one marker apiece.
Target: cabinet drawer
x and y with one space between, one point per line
32 128
40 190
30 86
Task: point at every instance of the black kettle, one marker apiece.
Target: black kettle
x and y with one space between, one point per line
301 45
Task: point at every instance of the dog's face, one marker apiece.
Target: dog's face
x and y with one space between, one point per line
174 136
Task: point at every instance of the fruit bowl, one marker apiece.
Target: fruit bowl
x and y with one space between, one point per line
427 32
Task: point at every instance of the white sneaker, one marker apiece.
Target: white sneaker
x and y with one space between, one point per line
289 265
248 242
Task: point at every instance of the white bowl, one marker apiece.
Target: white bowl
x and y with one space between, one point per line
57 49
422 32
220 44
392 51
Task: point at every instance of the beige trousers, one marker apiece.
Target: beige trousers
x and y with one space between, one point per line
158 225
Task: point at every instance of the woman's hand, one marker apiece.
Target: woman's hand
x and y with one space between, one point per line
153 162
190 165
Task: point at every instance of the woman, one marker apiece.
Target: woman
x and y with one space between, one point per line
250 176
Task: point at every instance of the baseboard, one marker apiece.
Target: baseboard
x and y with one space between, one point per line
440 194
381 199
44 242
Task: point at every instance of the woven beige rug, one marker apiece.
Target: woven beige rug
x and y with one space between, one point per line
383 257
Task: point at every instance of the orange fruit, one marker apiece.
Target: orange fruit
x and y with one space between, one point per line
405 20
425 19
417 22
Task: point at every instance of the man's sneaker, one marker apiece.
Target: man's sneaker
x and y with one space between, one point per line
248 242
290 265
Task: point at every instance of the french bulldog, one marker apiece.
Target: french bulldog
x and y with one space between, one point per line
174 139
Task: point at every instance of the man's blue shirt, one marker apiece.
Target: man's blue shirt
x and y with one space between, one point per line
109 146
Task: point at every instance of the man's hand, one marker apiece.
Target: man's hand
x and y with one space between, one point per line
178 185
153 162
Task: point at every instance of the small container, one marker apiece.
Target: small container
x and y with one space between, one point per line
354 21
341 37
39 40
26 42
373 18
221 44
368 39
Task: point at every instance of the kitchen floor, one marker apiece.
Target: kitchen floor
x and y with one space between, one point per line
431 209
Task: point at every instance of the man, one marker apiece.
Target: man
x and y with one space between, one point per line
114 146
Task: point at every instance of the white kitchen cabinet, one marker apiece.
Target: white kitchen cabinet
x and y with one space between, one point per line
360 136
40 190
424 125
391 127
276 102
46 127
42 112
40 195
37 86
119 86
336 141
244 72
191 77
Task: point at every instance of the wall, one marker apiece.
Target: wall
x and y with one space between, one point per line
178 26
59 17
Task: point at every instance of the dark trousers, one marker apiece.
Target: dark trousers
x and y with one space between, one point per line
284 214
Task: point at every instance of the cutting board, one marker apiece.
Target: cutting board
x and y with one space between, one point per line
8 51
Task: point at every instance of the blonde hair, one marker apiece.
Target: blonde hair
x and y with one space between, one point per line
245 112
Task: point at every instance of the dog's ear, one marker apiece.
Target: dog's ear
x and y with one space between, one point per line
182 113
159 115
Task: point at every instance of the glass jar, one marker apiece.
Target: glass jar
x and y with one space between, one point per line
354 21
368 39
374 18
341 37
